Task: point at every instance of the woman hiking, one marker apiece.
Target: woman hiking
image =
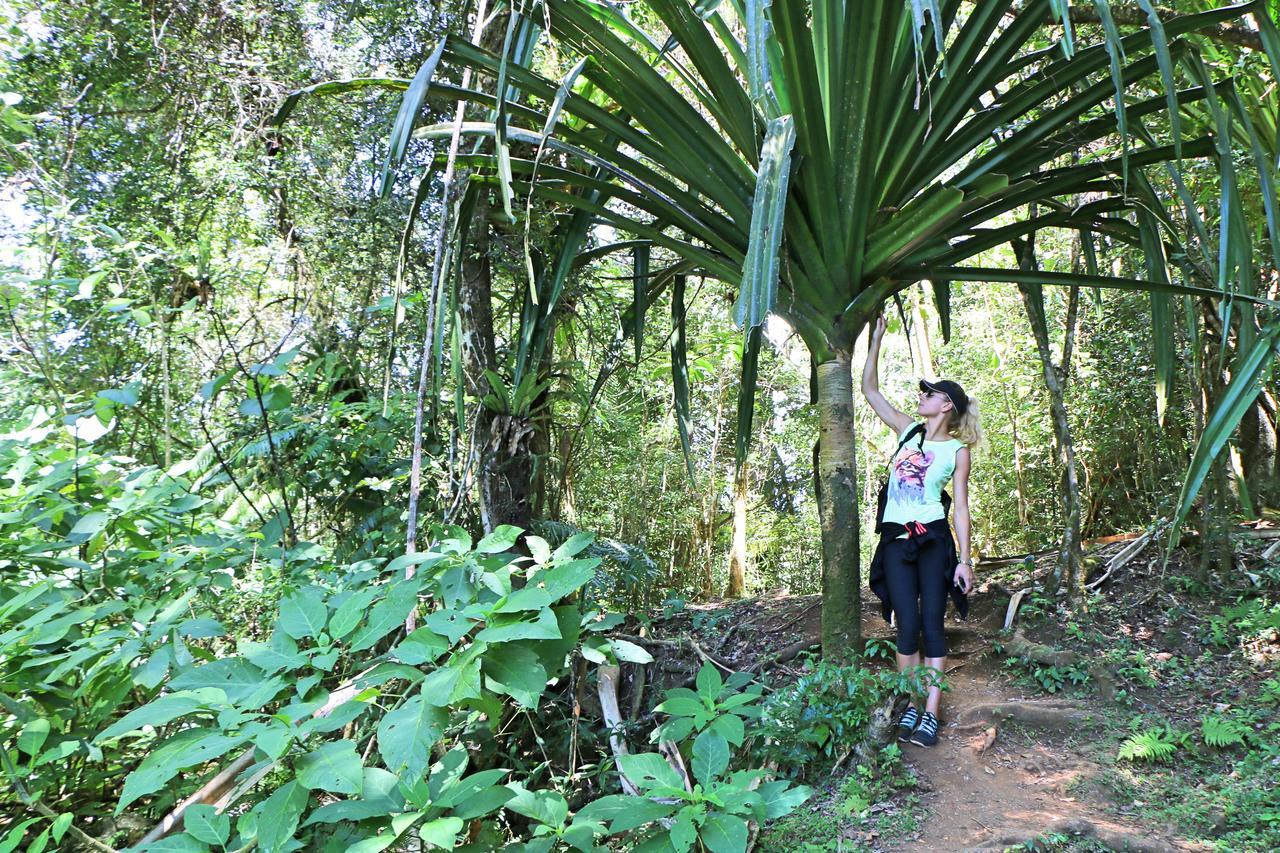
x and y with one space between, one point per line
916 564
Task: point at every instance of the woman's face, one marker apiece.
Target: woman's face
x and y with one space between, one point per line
931 403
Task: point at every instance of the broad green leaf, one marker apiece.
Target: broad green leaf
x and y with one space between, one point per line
709 682
88 526
333 767
205 824
649 770
441 832
387 615
60 825
780 797
278 816
33 736
682 833
724 833
625 650
516 670
681 706
710 756
242 682
164 709
449 624
303 614
424 559
379 797
503 629
547 807
185 749
15 835
547 586
351 613
574 545
422 646
406 735
501 539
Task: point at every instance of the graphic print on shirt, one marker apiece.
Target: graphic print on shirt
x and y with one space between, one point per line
906 486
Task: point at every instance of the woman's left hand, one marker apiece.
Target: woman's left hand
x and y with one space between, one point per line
963 577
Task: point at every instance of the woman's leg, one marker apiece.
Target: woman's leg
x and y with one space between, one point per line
904 596
934 575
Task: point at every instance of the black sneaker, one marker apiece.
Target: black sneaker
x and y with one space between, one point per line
907 724
926 734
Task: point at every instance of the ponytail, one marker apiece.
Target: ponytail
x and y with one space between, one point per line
968 427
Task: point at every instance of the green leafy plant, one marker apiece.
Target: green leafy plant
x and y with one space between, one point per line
826 711
1153 744
1222 731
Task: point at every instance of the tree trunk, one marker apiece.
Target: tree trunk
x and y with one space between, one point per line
738 552
1068 569
838 508
709 525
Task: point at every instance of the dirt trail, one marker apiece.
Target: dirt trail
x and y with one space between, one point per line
1018 787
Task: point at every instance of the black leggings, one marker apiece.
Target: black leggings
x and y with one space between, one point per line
918 593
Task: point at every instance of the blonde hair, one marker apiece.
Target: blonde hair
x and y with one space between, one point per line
967 427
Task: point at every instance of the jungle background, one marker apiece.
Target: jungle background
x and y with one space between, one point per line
353 495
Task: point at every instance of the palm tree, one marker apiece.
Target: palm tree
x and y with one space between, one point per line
824 155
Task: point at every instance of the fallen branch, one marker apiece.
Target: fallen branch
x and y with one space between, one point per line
1012 612
221 791
728 670
671 752
608 687
1123 557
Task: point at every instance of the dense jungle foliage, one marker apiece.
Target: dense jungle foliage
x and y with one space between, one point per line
350 451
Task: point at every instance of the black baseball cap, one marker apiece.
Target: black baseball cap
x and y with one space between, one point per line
951 390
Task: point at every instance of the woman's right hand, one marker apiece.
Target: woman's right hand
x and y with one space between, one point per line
877 331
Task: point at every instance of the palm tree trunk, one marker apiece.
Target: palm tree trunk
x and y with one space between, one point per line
838 508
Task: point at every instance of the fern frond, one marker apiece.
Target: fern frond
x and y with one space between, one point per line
1222 731
1151 745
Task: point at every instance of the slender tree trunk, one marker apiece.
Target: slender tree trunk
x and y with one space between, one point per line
1068 569
1020 480
920 338
838 508
709 507
738 552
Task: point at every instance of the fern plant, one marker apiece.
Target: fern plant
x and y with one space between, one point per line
1158 744
1220 731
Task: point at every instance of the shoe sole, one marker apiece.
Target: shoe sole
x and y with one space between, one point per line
920 743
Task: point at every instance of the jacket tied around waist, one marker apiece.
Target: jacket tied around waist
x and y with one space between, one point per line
917 535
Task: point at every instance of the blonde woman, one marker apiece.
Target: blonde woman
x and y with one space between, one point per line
916 563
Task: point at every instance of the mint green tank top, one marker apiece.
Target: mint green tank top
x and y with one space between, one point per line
917 475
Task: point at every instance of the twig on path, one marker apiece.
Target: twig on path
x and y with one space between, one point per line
708 658
1126 554
803 612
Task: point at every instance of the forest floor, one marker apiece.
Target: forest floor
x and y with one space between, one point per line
1028 751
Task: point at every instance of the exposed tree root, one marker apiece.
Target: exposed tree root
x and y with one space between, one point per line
1043 715
1005 837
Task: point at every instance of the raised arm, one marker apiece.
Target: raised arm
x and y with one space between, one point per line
897 421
